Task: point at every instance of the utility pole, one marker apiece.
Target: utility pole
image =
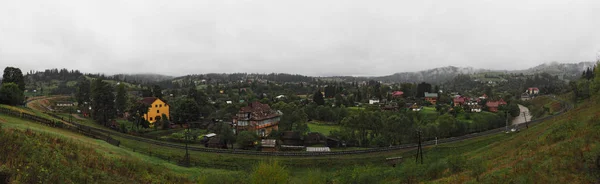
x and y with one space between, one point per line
525 117
419 148
506 119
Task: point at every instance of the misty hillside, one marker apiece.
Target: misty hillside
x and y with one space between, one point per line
436 75
568 71
142 78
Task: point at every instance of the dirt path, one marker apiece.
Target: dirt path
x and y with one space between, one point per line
78 117
521 119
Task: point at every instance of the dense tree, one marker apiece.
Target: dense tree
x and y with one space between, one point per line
14 75
226 134
185 110
409 89
10 94
422 88
318 98
136 110
103 102
595 85
446 125
166 124
157 91
246 139
121 100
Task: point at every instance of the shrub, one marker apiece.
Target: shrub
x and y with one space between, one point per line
269 172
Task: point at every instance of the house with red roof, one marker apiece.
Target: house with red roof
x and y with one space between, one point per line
397 94
460 100
494 105
532 91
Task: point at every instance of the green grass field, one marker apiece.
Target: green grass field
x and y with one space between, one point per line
322 128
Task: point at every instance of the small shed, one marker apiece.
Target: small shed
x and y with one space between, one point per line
291 138
268 145
312 138
215 142
318 149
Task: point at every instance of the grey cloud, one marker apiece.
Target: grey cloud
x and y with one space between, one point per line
305 37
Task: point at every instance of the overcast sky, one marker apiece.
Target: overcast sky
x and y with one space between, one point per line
344 37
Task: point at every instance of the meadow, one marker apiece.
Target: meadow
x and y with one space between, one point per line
560 150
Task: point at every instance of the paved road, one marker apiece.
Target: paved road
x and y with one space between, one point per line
521 119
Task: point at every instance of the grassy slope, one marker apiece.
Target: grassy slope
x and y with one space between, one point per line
562 150
97 160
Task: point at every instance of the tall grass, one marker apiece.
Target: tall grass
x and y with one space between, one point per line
30 157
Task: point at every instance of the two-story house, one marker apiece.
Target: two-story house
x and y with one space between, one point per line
257 117
156 109
431 97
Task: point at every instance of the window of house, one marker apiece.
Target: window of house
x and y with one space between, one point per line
160 105
157 111
155 105
150 118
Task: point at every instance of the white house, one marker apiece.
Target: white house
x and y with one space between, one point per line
373 102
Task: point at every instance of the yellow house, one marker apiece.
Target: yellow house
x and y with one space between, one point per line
156 109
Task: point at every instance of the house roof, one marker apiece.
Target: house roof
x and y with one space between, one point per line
397 93
259 111
210 135
495 103
291 135
148 100
460 99
431 95
318 149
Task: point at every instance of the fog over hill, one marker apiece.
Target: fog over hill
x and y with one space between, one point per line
442 74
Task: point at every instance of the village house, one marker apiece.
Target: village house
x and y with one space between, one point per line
397 94
483 97
493 105
156 108
473 101
475 108
532 91
460 101
268 145
257 117
373 101
431 97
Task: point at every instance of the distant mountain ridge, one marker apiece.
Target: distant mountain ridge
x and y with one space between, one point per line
443 74
431 75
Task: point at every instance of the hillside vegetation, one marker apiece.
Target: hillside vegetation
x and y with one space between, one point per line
564 150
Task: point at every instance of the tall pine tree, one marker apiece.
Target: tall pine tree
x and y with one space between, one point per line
103 102
121 100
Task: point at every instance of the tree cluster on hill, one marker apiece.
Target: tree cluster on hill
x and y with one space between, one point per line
587 86
13 86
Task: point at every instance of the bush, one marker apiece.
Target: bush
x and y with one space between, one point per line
269 172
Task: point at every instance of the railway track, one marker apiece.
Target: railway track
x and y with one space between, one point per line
566 107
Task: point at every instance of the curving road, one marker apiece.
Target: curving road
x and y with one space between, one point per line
523 117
